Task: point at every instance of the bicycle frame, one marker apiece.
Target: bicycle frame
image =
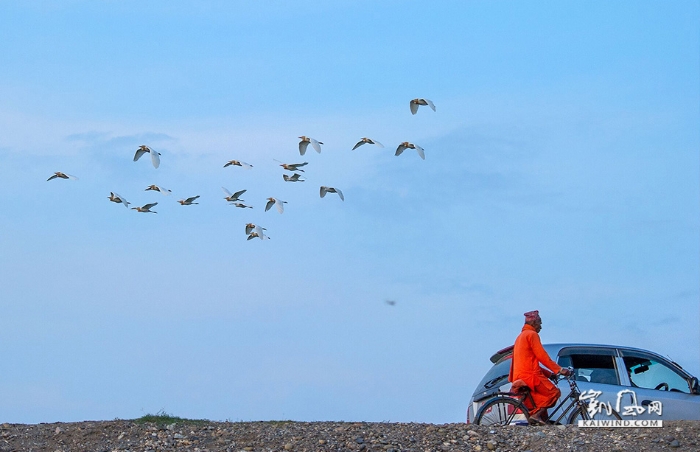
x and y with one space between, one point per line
573 401
565 408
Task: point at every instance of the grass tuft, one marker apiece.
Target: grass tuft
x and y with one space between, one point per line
163 418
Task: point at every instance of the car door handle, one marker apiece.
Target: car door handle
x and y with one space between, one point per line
646 402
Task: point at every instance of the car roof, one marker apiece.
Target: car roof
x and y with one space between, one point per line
555 348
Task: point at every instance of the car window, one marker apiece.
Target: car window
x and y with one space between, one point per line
649 372
497 375
593 368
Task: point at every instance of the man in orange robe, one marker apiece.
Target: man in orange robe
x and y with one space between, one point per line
525 369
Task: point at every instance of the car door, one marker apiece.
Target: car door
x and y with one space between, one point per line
595 370
654 382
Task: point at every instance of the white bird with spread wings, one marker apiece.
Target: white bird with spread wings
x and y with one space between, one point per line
60 175
188 201
159 189
233 197
415 103
365 140
238 163
304 143
255 231
145 208
325 190
406 145
279 204
114 197
155 156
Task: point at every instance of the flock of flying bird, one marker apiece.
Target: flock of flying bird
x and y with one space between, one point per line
253 230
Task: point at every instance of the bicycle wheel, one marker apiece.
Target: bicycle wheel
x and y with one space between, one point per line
502 411
580 414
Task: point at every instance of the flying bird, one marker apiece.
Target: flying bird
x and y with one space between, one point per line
304 143
61 175
293 166
406 145
238 163
233 197
241 205
155 159
366 140
165 191
293 178
250 227
277 203
145 208
188 201
114 197
254 231
390 302
325 190
415 103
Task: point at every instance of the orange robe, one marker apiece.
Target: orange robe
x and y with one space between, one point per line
528 353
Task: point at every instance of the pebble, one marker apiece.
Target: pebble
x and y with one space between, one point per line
334 436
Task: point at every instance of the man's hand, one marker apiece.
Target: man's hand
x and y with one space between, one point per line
565 372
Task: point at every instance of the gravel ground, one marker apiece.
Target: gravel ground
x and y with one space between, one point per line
201 436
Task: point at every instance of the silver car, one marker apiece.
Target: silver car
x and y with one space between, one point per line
637 383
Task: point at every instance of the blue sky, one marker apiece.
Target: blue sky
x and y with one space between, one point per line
561 174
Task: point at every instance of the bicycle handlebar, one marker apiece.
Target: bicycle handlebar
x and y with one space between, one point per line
560 376
569 368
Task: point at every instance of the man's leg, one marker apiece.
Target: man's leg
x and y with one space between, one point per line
545 394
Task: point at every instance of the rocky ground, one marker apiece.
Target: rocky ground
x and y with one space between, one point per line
204 436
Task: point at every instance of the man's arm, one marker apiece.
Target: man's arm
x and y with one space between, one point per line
542 355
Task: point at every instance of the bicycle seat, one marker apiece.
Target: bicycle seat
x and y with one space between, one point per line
519 387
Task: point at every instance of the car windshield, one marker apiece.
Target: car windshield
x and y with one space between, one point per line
648 372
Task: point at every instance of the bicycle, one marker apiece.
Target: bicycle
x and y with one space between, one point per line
508 408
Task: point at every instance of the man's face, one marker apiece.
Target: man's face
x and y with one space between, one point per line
537 324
